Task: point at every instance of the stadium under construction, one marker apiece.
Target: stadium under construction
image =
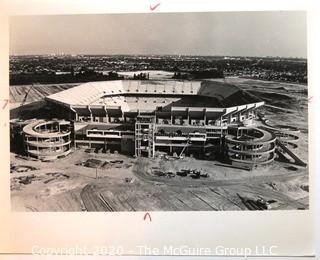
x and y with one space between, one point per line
207 118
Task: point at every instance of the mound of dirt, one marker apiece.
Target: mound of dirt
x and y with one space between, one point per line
287 187
291 168
17 182
21 168
93 163
281 88
56 176
271 95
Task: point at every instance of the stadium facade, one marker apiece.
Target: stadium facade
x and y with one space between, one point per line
141 117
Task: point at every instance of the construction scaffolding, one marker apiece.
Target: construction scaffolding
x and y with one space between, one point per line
144 136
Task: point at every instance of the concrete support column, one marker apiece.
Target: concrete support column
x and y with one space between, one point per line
188 116
106 115
122 116
91 117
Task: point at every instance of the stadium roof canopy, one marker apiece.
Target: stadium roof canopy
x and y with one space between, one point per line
132 94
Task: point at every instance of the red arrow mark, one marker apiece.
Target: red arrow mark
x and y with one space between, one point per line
145 216
152 8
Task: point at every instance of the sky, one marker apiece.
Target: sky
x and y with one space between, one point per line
272 33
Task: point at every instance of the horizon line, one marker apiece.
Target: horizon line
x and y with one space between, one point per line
187 55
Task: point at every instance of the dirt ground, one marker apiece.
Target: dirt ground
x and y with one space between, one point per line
130 185
122 183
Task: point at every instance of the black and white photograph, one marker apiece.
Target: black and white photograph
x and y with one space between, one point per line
200 111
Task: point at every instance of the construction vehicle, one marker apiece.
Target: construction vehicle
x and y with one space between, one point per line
183 173
171 174
195 174
158 173
263 203
204 175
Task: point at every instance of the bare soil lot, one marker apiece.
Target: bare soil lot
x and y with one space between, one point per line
65 186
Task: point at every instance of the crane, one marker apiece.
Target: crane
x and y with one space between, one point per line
187 143
26 95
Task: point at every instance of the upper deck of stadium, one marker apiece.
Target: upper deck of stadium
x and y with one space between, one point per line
149 94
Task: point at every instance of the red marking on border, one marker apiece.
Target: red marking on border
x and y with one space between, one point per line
152 8
145 216
6 102
310 99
